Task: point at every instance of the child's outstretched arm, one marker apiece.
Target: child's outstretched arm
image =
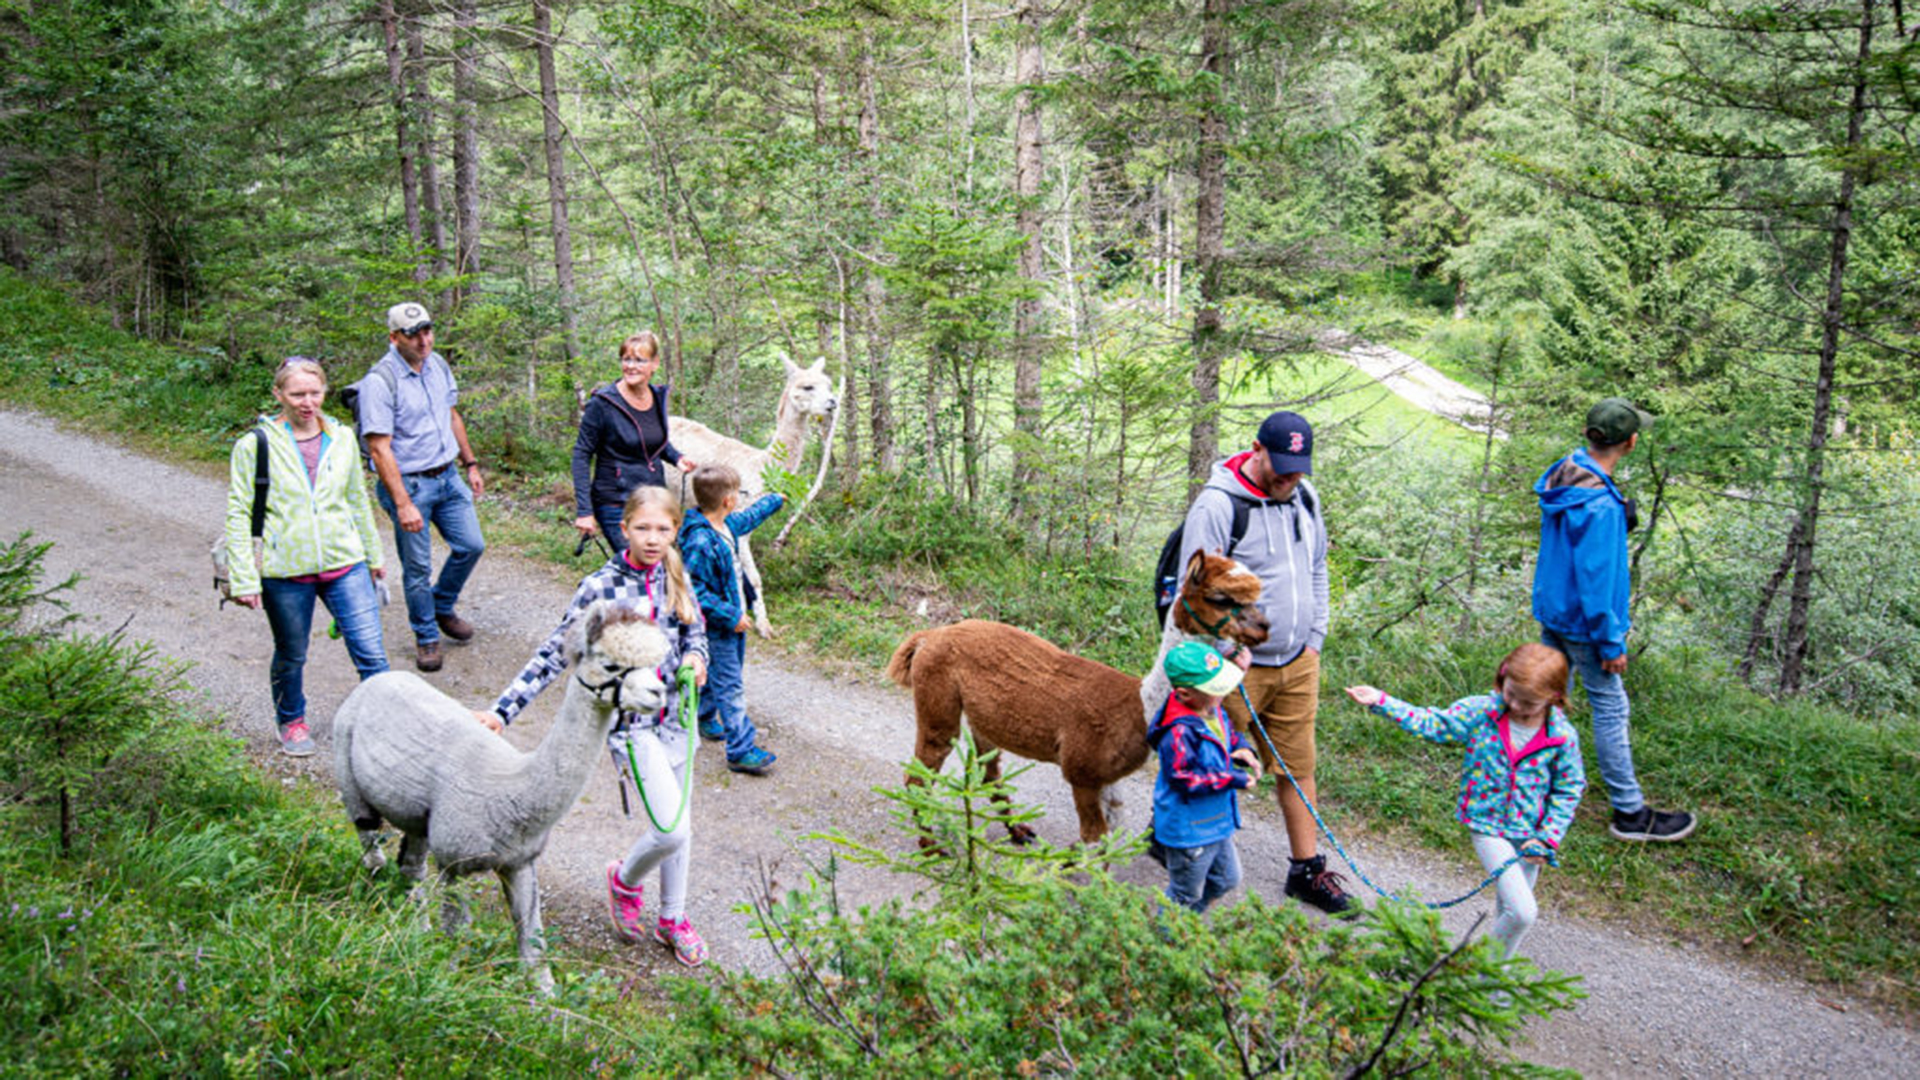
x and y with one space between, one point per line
1452 724
742 522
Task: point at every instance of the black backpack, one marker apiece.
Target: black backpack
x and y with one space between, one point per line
1168 571
349 397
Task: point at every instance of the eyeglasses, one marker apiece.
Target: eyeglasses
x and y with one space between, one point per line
292 360
423 328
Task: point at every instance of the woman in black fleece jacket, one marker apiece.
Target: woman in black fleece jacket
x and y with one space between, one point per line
623 432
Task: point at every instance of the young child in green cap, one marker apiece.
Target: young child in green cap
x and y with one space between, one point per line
1196 808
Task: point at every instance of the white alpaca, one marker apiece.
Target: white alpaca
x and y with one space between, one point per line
808 399
407 753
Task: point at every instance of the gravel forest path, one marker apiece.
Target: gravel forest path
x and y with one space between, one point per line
137 529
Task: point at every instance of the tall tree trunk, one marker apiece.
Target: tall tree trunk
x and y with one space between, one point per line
1028 166
1210 210
879 381
466 144
397 75
556 179
1793 664
850 392
429 165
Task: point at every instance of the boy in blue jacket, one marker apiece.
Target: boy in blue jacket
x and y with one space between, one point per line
1581 590
1196 807
710 544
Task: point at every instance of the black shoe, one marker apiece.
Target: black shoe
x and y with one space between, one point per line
1310 882
1646 823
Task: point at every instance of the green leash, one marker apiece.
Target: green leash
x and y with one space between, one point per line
689 706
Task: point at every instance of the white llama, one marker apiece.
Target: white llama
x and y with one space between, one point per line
807 400
409 754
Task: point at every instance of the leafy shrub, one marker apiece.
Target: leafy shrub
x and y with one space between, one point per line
1037 962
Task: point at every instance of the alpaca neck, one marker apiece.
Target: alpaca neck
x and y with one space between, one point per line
789 438
558 768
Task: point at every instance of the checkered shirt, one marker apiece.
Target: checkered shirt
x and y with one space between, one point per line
643 590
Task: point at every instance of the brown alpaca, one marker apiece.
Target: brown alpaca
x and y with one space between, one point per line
1024 695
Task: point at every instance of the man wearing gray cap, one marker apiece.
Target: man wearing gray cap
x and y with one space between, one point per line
1581 590
428 475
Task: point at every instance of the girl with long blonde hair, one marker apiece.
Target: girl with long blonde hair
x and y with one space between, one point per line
648 575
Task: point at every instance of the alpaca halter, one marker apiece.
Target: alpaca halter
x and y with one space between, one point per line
618 682
1216 629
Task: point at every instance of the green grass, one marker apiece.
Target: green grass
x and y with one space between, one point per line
231 933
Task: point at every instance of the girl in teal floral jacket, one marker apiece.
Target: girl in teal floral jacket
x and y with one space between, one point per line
1521 779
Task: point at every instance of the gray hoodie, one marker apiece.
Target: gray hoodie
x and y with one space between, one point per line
1285 545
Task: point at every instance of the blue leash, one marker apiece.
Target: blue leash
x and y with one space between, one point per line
1254 716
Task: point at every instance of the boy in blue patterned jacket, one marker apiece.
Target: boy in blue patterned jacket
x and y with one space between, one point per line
1521 779
1196 806
710 543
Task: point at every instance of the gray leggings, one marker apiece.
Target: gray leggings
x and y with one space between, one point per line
1514 911
659 752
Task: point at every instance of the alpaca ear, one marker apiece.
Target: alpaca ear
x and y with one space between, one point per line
819 366
1196 565
787 362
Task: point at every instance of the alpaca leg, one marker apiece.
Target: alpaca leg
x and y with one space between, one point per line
371 856
453 906
990 771
937 722
1089 801
750 570
523 900
413 857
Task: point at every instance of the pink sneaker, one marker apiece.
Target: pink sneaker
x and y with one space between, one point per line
627 905
680 936
296 740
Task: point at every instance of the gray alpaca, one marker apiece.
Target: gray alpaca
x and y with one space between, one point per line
409 754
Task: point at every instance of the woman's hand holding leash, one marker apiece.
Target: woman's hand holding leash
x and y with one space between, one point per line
251 600
586 525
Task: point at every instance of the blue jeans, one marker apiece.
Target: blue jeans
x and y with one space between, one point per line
446 504
1198 876
725 691
289 606
609 519
1612 742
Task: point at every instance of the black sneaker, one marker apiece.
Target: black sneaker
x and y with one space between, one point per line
1646 823
1310 882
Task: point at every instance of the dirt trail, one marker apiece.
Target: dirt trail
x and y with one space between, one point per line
138 530
1412 380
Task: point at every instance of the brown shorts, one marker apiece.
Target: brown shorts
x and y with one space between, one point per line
1286 698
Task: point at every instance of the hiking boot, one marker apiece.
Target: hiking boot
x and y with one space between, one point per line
679 935
296 740
711 728
1646 823
426 655
1310 882
627 905
754 762
457 629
